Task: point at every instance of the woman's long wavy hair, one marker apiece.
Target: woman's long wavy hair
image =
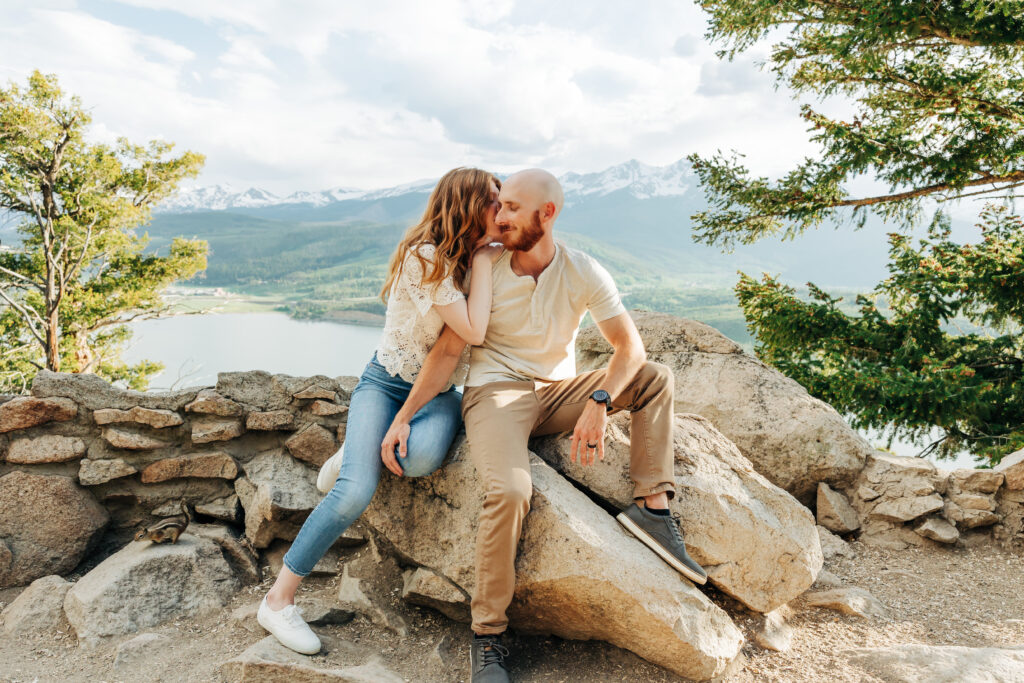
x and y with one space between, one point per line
453 222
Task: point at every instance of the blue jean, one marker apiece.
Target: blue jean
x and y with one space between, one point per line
375 401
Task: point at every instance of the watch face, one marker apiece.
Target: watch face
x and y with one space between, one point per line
601 396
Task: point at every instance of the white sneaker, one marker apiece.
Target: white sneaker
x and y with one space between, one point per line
329 471
287 626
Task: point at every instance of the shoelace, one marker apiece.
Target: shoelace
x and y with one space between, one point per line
293 616
494 653
676 522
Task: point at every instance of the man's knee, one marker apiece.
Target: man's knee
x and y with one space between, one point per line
513 493
656 374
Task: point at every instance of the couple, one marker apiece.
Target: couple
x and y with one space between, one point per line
524 306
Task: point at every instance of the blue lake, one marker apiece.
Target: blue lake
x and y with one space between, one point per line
194 348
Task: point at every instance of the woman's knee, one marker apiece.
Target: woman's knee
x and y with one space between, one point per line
419 462
350 497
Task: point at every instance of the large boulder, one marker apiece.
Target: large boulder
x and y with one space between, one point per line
146 584
757 542
47 525
277 492
791 438
578 573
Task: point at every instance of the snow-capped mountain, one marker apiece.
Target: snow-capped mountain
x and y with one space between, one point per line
640 180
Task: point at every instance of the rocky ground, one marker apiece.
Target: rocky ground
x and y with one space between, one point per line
934 596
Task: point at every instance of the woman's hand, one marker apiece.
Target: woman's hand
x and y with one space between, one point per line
398 435
488 253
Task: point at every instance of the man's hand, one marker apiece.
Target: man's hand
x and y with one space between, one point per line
589 429
398 435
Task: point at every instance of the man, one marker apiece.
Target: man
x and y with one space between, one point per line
522 383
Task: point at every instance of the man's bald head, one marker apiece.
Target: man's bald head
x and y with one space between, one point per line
540 186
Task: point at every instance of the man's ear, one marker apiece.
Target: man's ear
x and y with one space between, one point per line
549 211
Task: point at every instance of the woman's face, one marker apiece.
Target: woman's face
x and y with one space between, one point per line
490 215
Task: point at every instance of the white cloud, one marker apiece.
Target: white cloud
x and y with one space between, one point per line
312 94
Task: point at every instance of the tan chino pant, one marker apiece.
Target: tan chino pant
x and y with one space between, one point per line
501 417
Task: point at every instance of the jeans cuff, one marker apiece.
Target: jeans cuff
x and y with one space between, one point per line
292 569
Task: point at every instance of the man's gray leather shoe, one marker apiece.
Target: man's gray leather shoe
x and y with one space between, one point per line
487 660
661 534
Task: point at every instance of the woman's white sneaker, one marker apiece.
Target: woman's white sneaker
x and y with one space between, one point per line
329 471
287 625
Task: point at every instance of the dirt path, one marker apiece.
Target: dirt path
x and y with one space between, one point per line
972 597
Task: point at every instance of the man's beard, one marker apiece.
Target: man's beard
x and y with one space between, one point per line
528 236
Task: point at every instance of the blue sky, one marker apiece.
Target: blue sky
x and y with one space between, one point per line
326 93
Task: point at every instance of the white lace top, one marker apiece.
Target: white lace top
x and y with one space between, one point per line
411 325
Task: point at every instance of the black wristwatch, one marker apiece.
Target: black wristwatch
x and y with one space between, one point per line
602 396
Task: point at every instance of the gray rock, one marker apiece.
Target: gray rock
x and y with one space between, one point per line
791 438
277 493
938 530
835 512
315 391
23 412
425 588
313 444
571 551
1012 469
270 661
227 509
262 391
93 472
775 634
968 518
366 589
144 584
326 408
270 420
237 551
209 402
756 542
37 609
45 448
158 419
47 526
827 579
917 663
981 481
832 545
849 600
211 465
133 441
206 430
92 392
138 649
908 508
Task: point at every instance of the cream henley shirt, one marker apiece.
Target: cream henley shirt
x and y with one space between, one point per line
533 326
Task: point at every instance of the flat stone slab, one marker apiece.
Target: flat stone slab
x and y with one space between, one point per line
28 411
45 448
270 661
94 472
270 420
151 417
849 600
201 465
133 441
211 429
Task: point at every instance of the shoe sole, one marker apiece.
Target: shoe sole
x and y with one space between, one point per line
649 541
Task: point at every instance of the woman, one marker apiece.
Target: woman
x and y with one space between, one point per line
423 292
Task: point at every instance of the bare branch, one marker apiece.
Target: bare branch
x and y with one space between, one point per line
25 316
